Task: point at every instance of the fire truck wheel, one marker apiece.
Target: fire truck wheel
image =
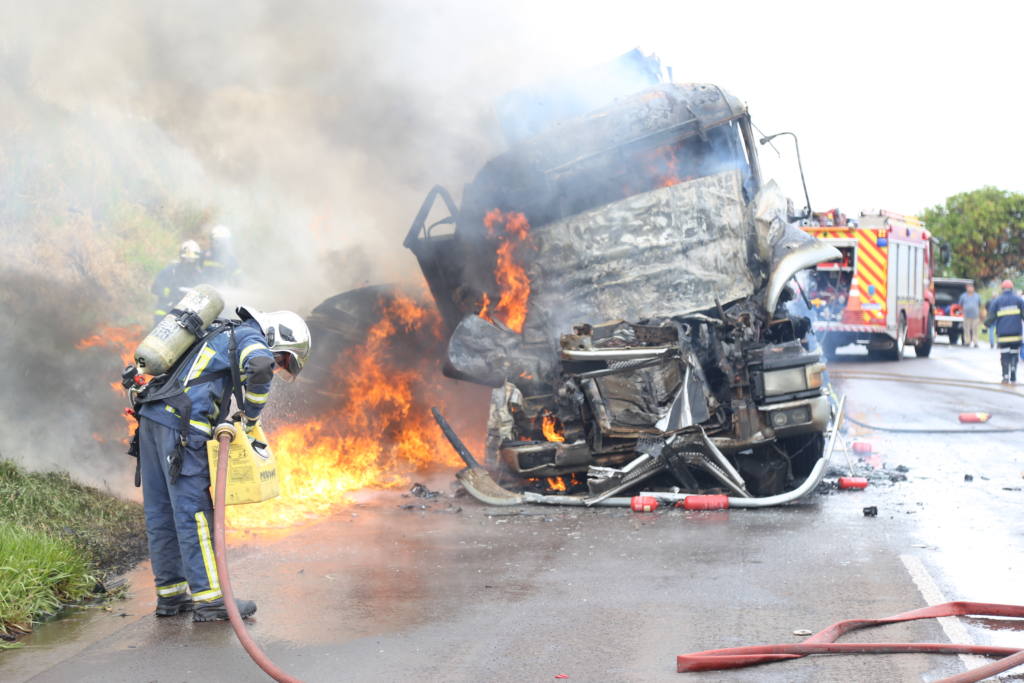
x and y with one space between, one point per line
896 352
923 348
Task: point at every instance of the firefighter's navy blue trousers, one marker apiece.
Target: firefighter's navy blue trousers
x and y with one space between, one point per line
179 516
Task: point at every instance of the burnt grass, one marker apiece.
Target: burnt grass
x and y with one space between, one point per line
109 531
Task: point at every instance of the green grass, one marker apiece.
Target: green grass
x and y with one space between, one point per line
38 575
57 539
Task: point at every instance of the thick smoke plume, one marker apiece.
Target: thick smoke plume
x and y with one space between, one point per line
313 130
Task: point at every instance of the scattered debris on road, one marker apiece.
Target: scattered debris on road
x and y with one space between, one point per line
421 491
871 511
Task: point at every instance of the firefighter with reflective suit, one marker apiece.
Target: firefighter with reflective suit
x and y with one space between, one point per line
172 282
237 359
1007 310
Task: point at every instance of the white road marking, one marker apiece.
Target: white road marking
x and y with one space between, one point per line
932 595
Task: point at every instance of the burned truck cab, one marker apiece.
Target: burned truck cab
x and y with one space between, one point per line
622 279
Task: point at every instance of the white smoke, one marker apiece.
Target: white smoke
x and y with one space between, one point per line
313 130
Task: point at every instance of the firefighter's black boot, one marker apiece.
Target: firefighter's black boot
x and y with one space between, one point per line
1004 361
175 604
1013 368
216 611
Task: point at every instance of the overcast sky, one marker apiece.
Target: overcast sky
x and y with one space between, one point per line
897 104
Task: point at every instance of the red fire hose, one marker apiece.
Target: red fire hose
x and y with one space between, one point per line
823 642
225 433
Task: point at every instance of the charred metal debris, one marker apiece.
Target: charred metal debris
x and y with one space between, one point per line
649 213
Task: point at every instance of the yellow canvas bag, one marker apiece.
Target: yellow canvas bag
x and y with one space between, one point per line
252 470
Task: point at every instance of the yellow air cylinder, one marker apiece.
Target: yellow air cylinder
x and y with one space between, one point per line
252 470
169 339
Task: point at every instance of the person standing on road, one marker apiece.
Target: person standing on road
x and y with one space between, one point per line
1007 310
175 471
970 304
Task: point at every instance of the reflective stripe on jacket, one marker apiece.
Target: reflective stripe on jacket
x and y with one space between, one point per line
1008 309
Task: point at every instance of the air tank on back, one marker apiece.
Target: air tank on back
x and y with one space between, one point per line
178 330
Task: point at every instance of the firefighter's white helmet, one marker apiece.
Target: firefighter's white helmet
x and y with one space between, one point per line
287 336
189 251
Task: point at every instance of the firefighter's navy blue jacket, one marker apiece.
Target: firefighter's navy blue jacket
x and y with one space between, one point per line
215 357
1008 308
178 509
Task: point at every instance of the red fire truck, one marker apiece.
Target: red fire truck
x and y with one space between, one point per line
881 293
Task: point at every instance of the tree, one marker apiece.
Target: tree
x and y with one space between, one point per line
985 229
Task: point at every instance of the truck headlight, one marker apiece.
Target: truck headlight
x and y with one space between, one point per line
788 381
793 380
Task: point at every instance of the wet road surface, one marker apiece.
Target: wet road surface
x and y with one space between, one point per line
456 591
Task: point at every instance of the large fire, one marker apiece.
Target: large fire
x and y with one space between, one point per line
509 273
377 433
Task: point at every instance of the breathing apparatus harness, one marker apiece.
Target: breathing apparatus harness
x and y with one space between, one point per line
170 387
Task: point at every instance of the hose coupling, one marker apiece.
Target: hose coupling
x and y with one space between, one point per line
224 428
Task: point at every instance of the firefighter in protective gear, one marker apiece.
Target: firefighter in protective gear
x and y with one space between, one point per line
220 266
172 455
1008 311
172 282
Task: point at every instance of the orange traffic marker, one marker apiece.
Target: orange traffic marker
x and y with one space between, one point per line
975 417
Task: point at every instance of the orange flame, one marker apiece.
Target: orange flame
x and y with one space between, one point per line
557 484
660 168
485 306
123 340
551 428
377 434
510 276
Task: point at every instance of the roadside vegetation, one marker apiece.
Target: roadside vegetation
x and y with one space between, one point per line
59 540
985 229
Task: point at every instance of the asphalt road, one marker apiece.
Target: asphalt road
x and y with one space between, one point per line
455 591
